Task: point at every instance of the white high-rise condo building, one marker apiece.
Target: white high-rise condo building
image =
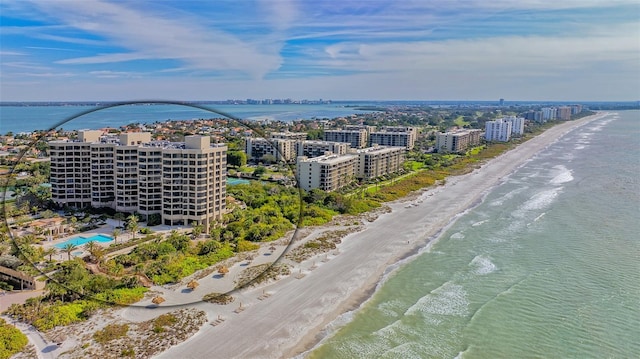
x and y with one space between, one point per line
282 150
498 130
183 182
517 125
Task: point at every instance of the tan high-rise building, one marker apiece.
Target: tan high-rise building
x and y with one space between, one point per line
378 161
183 182
394 136
356 138
457 141
328 172
296 136
563 113
318 148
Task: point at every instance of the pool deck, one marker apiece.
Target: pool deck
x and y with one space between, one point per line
107 230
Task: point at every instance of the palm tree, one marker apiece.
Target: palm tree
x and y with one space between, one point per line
90 246
68 248
116 232
50 252
197 230
133 225
95 250
74 223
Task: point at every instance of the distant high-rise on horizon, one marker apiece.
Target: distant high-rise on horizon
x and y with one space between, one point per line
501 102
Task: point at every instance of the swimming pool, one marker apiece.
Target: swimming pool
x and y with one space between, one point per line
78 241
235 181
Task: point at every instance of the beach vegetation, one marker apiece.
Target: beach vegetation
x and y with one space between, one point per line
73 295
110 332
12 340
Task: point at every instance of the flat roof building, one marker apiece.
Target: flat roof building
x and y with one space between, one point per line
282 150
378 161
183 182
457 141
310 148
394 136
296 136
356 138
498 130
328 172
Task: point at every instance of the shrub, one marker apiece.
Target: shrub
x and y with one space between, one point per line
110 332
245 246
12 340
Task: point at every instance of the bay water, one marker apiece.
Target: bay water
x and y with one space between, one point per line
18 119
547 266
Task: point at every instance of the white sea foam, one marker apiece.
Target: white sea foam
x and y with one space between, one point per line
390 308
457 235
482 265
500 201
480 223
563 176
448 299
541 199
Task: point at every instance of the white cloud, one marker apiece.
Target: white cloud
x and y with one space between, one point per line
149 36
513 55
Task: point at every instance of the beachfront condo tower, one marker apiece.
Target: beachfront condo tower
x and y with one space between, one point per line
183 182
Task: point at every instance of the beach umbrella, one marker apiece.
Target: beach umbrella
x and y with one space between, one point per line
193 284
158 300
223 270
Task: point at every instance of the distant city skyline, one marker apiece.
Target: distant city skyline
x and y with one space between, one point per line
349 50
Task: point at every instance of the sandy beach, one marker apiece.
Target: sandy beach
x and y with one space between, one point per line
293 316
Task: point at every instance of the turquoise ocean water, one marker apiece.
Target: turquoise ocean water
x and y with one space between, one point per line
547 266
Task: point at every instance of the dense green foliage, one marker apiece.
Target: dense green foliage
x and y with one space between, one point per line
73 295
12 340
174 258
236 158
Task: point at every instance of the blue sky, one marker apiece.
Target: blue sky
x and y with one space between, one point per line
562 50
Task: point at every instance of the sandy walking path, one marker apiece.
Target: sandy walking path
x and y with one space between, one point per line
290 320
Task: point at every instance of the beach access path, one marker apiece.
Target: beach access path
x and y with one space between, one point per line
291 320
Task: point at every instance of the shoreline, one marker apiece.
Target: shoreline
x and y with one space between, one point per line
302 311
316 337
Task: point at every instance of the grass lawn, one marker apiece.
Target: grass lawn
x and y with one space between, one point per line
460 121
